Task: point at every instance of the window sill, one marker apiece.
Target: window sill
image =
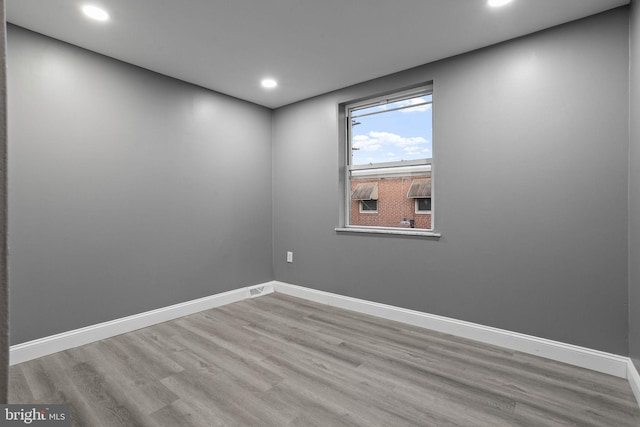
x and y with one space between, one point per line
388 231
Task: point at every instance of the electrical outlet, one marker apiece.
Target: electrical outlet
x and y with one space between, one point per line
289 256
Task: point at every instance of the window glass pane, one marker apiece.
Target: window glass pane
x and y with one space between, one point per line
424 204
392 136
412 104
393 207
369 205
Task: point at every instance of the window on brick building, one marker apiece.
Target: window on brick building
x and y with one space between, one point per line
389 159
420 191
423 205
369 206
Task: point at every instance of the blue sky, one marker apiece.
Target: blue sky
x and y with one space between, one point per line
393 136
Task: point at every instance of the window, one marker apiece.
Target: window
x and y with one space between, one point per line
369 206
420 191
389 159
367 194
423 206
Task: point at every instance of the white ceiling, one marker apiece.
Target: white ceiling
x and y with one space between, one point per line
310 46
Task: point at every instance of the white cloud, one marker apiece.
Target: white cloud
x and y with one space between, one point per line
387 146
394 139
364 142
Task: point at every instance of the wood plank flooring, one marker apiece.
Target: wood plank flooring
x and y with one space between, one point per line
282 361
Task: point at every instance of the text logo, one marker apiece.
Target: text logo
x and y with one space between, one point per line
35 415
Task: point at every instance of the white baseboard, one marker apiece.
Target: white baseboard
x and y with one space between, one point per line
574 355
48 345
595 360
634 380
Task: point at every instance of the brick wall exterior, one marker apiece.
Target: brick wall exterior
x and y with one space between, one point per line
393 204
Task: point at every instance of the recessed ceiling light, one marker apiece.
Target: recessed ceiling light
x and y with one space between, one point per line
269 83
497 3
95 12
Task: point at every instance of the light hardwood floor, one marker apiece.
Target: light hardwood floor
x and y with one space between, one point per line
282 361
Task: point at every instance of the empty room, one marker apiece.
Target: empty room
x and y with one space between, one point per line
296 213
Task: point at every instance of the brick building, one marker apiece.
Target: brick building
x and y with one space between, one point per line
403 201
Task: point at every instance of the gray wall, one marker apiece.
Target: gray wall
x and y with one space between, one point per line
530 145
634 189
4 296
129 190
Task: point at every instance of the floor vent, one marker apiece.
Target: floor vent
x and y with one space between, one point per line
254 292
258 290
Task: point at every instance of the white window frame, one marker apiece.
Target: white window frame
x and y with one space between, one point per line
407 168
